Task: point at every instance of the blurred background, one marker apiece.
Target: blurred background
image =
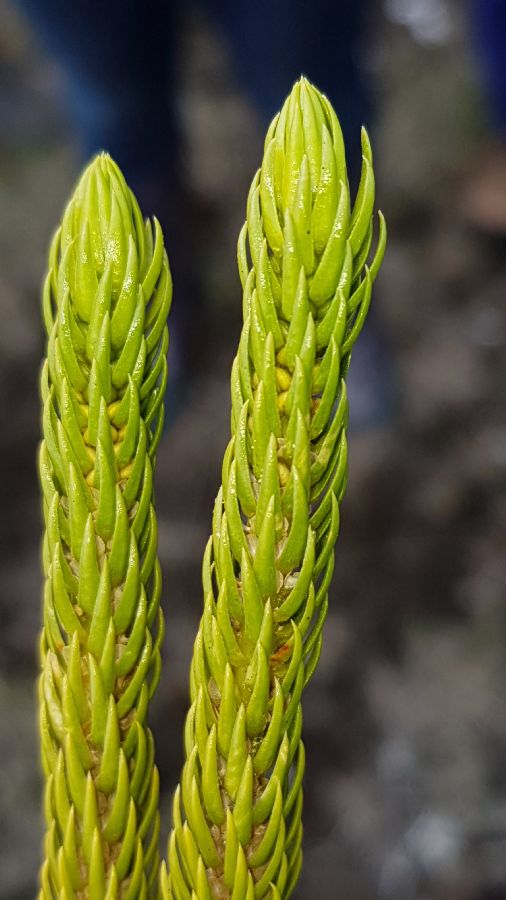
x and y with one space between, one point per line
405 720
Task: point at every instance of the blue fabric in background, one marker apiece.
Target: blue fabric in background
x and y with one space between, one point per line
120 63
489 27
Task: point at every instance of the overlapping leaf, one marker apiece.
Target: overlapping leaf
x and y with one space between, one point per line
306 282
106 299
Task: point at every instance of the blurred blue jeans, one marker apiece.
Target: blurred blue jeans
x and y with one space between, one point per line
120 61
489 33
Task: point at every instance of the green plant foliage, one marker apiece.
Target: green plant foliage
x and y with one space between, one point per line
106 299
269 562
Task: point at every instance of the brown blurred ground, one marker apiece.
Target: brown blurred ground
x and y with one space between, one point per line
405 722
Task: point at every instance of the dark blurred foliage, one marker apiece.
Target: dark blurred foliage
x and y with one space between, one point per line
405 721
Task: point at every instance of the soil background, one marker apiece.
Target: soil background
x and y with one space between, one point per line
405 720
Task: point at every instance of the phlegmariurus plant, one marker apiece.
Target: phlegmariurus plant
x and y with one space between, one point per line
303 256
105 302
268 564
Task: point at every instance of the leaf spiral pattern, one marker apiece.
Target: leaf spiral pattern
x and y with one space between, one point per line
267 567
105 302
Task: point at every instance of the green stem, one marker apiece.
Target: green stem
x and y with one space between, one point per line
106 299
302 259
